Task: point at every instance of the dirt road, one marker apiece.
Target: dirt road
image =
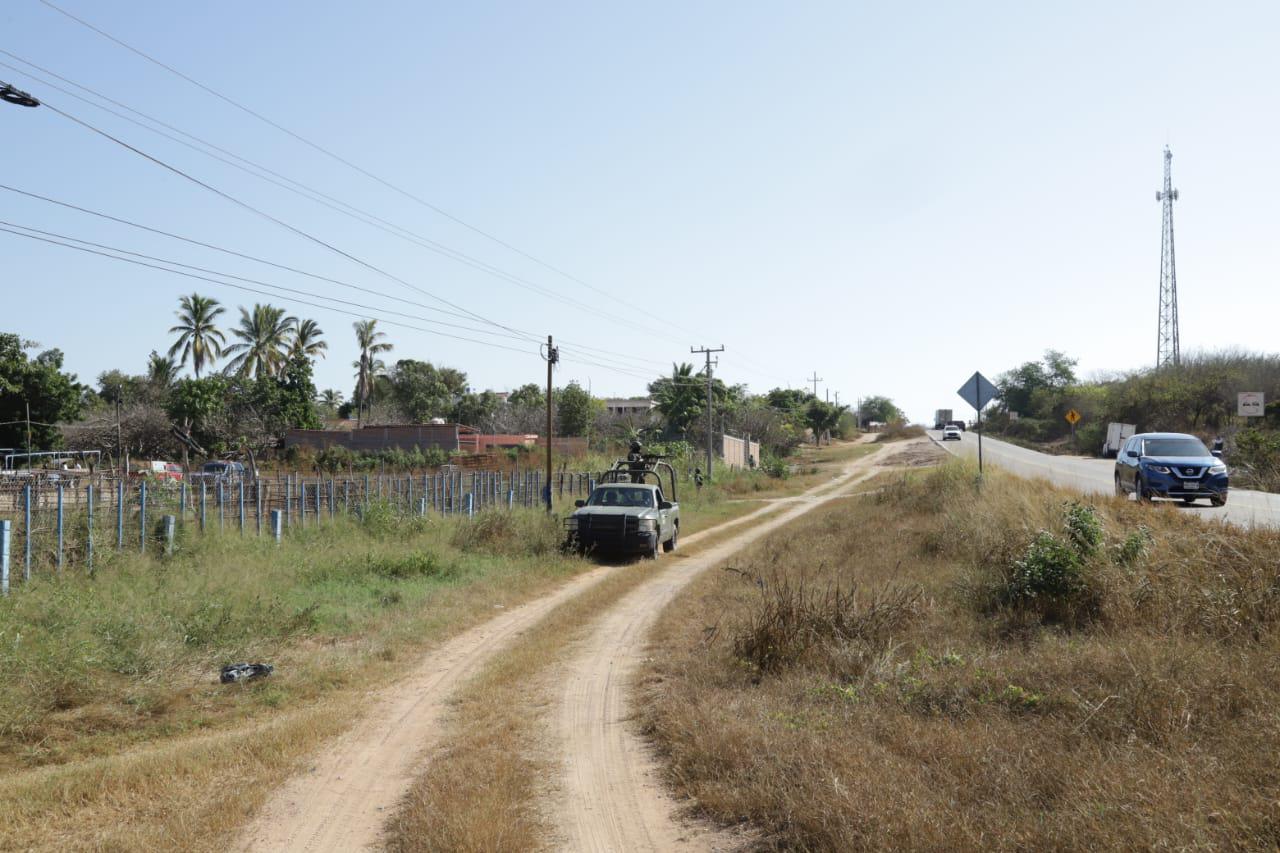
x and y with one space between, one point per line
341 801
611 797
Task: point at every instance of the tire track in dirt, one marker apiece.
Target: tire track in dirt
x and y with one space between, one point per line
611 795
354 783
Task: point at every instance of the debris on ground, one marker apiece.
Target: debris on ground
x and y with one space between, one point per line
232 673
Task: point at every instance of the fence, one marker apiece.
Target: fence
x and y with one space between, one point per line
51 526
739 453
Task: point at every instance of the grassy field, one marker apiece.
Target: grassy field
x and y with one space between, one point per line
114 732
952 666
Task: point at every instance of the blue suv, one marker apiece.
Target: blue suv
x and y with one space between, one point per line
1170 465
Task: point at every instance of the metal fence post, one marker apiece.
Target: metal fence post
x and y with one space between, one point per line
277 525
222 507
169 524
88 541
288 498
60 522
26 532
319 495
142 517
204 495
257 500
120 514
242 507
471 505
6 535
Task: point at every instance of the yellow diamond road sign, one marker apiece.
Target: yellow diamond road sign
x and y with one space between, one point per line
1073 417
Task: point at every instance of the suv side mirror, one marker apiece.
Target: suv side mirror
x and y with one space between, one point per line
665 505
1216 453
579 503
1132 454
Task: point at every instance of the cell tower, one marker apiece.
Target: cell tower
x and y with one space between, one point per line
1167 350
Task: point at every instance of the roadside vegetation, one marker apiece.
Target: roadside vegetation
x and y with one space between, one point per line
1198 397
114 730
1003 665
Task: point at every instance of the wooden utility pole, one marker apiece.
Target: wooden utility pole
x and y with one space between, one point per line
815 379
552 355
710 419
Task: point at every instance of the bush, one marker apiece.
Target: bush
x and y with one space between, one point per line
510 533
1084 528
1049 570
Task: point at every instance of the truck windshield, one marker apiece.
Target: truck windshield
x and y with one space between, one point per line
1186 447
621 496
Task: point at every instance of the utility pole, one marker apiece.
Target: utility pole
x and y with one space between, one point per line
123 471
707 351
815 379
552 355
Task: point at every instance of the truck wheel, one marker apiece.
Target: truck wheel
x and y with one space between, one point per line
655 551
670 544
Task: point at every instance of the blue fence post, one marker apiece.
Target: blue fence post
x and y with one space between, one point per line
257 500
511 499
346 496
88 540
365 499
6 535
120 514
222 507
277 525
60 520
288 498
409 490
169 525
471 505
204 499
182 500
319 503
302 504
242 507
142 517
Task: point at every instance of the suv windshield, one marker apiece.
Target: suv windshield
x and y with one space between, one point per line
215 467
621 496
1187 447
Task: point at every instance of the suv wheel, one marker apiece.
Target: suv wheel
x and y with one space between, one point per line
670 544
1218 500
1140 490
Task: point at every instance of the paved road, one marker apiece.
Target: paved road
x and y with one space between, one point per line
1096 476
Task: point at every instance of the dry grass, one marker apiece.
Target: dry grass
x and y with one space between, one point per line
877 677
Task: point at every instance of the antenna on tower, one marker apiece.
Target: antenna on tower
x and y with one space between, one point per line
1167 348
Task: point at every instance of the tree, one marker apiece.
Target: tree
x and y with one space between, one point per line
680 397
576 410
38 383
422 391
529 396
823 418
307 340
477 410
161 371
371 342
879 409
330 399
1023 388
198 338
265 337
198 405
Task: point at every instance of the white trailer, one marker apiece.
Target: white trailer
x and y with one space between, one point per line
1117 435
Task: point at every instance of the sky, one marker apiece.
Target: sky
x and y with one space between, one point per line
886 196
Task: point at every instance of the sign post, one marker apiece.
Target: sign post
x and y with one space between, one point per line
1073 418
977 391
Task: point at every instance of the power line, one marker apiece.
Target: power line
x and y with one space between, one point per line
338 158
317 196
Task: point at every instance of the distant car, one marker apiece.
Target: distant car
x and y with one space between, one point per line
1170 465
951 432
159 470
220 472
957 424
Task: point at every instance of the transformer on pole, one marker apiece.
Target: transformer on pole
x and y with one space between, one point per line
1167 347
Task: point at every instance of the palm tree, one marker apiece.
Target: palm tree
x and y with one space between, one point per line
161 370
265 337
371 342
331 399
198 338
306 340
678 397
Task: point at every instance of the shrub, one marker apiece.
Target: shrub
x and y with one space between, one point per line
1084 528
1050 570
1134 547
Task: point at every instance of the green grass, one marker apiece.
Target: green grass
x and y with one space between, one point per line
91 665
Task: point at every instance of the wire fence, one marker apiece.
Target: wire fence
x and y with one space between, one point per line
50 525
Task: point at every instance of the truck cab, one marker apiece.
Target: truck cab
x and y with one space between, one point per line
630 511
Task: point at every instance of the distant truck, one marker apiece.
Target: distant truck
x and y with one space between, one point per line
1117 435
941 418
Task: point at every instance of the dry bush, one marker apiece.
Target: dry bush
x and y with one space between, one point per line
979 721
898 430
